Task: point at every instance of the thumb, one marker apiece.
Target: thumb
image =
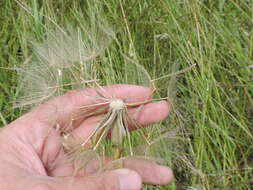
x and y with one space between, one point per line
119 179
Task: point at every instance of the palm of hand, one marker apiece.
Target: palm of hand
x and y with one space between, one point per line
27 151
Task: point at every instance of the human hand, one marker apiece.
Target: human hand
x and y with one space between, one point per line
27 150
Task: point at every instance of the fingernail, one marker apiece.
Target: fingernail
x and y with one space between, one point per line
128 179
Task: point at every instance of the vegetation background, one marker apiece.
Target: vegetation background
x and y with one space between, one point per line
213 109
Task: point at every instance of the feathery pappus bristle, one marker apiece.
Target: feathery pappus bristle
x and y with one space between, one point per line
64 61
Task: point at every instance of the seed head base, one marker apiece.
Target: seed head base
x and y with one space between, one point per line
117 104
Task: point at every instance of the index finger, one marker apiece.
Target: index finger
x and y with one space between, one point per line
63 107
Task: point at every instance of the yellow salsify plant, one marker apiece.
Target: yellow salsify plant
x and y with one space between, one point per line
66 61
